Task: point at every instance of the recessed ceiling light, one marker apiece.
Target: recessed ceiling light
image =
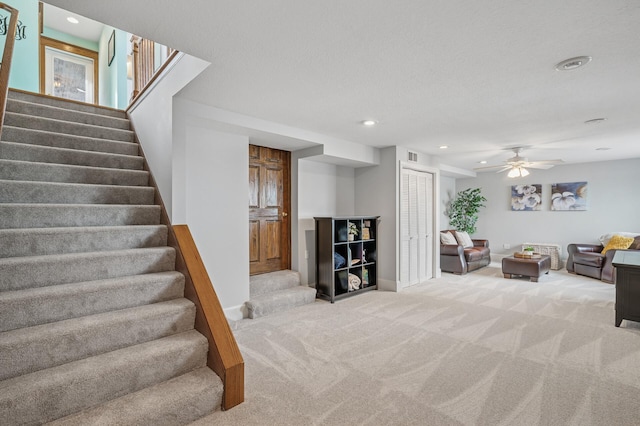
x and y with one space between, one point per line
444 146
483 162
595 120
369 122
72 20
573 63
603 149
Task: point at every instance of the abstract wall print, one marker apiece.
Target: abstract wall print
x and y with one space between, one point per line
569 196
526 197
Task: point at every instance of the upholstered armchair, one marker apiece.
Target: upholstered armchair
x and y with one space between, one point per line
457 259
588 260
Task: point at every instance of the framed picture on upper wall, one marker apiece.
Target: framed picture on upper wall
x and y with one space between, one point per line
526 197
111 48
571 196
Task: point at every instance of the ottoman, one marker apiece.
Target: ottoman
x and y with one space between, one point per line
532 268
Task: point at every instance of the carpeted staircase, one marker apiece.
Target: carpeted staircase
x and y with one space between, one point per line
94 327
276 292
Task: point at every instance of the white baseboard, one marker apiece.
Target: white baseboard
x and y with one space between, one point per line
236 313
388 285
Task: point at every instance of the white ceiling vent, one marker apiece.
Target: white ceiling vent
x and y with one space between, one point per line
413 156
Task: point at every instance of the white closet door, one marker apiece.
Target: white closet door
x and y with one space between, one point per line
425 223
416 223
414 250
404 229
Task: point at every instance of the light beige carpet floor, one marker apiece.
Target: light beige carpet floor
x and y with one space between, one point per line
472 350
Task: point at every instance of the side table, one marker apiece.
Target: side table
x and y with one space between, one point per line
627 286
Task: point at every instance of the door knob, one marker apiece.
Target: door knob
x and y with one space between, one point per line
284 214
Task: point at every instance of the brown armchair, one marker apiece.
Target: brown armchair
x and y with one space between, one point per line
460 260
587 259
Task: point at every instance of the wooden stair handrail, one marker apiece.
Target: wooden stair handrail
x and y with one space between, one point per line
7 55
224 355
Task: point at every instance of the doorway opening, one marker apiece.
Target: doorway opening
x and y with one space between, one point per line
68 71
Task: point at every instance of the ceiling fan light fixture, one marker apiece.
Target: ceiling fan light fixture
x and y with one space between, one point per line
518 172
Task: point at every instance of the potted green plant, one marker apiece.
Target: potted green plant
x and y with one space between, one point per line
463 211
353 231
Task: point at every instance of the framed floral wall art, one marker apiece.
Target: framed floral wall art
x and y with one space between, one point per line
526 197
571 196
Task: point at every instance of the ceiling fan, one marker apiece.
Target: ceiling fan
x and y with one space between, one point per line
516 165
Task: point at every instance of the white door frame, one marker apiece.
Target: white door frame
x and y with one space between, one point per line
435 231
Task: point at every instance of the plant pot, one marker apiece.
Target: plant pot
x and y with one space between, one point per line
351 237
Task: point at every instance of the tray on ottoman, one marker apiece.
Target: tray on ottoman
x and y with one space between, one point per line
532 268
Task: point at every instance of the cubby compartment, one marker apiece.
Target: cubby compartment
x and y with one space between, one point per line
341 284
368 276
355 254
340 257
341 231
369 252
368 230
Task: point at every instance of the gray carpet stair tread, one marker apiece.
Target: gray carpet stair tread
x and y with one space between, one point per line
66 127
49 172
62 103
47 154
42 305
26 350
21 215
14 191
56 392
280 300
17 273
178 401
273 281
60 140
58 113
45 241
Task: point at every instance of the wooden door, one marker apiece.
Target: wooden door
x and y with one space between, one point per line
269 202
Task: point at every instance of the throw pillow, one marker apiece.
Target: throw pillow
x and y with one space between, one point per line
635 245
447 239
604 239
618 242
464 239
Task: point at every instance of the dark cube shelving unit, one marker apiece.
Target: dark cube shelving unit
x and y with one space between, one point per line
360 255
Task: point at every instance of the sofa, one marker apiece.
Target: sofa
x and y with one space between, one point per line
588 259
457 259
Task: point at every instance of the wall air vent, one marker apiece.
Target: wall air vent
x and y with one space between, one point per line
413 156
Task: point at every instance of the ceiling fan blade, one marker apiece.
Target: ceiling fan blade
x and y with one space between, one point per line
490 168
538 166
558 161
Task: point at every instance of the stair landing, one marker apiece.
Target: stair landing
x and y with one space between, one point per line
277 292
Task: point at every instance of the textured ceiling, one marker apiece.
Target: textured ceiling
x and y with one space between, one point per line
476 76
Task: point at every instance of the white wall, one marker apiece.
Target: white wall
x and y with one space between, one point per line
376 193
152 118
613 205
216 188
323 190
447 194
